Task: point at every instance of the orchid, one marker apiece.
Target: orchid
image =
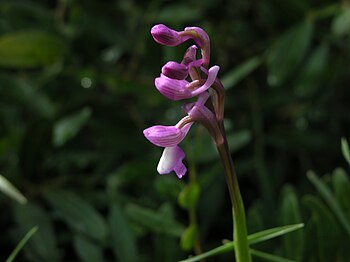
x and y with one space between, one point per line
192 78
173 84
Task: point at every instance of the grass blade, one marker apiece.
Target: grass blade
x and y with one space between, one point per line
21 244
330 200
7 188
252 239
240 72
345 149
216 251
269 257
272 233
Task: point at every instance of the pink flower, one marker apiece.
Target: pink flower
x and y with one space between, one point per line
175 89
169 137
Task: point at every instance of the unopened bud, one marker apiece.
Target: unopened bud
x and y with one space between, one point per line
165 36
175 70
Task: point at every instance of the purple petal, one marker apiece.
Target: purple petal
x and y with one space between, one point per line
165 36
190 55
202 38
175 70
171 160
212 73
166 136
173 89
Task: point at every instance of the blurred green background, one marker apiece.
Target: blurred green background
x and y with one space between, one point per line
77 90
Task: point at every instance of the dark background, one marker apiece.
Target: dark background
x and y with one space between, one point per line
77 90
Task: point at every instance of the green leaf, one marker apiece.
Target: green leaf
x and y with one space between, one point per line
216 251
240 72
330 200
345 149
189 237
290 213
78 214
341 185
24 94
238 140
252 239
313 71
272 233
123 240
311 246
87 250
341 23
43 245
269 257
30 49
154 221
21 244
327 228
8 189
288 52
189 196
68 127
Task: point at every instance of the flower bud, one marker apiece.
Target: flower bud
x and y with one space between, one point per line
190 55
175 70
165 36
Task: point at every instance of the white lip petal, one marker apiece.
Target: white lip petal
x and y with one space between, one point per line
171 158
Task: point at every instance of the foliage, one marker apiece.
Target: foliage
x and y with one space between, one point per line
76 85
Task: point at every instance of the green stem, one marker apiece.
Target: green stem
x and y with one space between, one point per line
242 252
192 212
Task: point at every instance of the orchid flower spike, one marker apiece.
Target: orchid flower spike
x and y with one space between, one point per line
176 89
172 84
